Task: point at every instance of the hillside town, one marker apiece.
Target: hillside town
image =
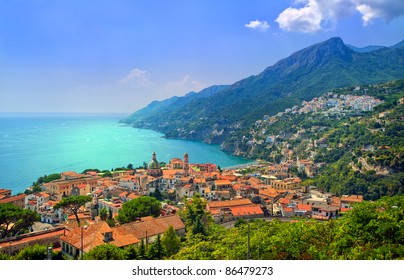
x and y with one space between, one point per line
259 191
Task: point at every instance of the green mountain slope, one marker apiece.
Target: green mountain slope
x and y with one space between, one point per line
303 75
354 137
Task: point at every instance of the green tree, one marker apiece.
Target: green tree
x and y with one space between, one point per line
52 177
15 220
105 252
156 250
171 241
4 256
142 251
106 173
196 218
137 208
103 214
157 194
35 252
73 204
132 252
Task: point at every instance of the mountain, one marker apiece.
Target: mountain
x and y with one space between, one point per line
398 45
305 74
365 49
167 105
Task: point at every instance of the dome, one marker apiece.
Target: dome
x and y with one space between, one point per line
154 164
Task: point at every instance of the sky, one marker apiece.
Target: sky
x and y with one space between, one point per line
118 56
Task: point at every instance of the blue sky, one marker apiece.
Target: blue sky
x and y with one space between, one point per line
118 56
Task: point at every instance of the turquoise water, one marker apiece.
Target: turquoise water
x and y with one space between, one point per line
32 145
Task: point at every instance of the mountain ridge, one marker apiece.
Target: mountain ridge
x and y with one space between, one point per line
305 74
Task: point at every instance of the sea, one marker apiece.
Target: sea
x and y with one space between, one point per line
38 144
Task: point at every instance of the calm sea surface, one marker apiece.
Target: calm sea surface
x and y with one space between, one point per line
32 145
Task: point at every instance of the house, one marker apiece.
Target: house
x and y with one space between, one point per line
82 239
222 185
247 212
149 228
80 189
286 184
324 211
227 214
18 200
47 237
213 206
129 183
269 195
63 187
187 190
347 201
4 193
302 210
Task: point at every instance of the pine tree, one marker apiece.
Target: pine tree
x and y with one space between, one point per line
171 242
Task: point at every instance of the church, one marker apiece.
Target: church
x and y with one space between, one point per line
154 168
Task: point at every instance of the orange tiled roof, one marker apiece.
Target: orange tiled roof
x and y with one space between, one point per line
269 192
304 207
248 210
172 171
229 203
288 209
93 236
29 239
151 227
222 182
13 198
132 196
352 198
284 200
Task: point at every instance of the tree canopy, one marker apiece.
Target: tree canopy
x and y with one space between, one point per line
196 218
139 207
372 230
171 242
105 252
73 204
15 220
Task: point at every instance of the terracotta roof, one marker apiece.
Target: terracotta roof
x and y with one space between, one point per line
123 194
269 192
13 198
132 196
335 201
151 227
93 236
222 182
244 211
284 200
288 209
352 198
304 207
172 171
229 203
37 236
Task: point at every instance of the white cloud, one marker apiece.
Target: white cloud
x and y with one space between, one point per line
314 15
186 85
137 78
258 25
306 19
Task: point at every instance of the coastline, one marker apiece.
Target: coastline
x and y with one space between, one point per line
33 146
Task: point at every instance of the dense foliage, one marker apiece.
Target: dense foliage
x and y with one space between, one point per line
369 231
139 207
15 220
73 204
